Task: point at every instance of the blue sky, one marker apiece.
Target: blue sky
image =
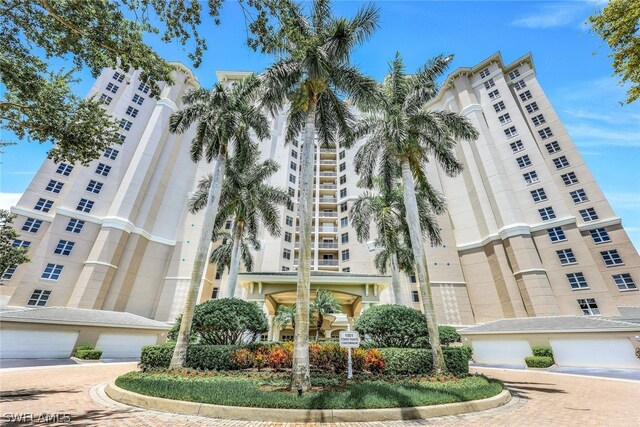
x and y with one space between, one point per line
572 66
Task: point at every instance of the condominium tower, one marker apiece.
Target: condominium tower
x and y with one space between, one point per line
528 232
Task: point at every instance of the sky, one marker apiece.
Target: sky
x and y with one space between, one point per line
572 64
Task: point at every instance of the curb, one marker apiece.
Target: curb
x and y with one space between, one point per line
548 372
302 415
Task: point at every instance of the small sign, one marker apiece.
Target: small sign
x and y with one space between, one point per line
349 339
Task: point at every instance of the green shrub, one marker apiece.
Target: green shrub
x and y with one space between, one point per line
448 335
542 351
638 352
83 346
89 354
468 351
412 361
393 326
211 357
538 361
156 356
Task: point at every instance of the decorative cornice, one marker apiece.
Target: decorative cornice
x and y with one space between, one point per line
167 103
530 271
106 264
79 215
600 223
31 213
471 109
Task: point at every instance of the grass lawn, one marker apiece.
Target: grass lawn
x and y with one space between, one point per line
270 391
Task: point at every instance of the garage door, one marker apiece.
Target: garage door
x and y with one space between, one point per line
595 353
501 352
115 346
16 344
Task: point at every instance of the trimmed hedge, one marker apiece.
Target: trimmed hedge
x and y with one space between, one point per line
211 357
542 351
538 361
409 361
89 354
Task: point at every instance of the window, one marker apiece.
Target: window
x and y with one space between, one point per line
561 162
494 95
545 133
94 187
75 225
51 272
291 191
103 169
64 169
43 205
532 107
346 270
39 298
9 272
504 119
343 193
286 254
119 77
343 179
525 96
611 257
292 178
287 236
484 73
137 99
553 147
294 143
524 161
289 221
547 213
344 222
345 255
530 177
20 244
342 155
285 268
294 154
133 112
569 178
577 281
412 278
64 247
125 124
516 146
344 238
54 186
106 99
519 85
538 195
343 207
214 293
343 166
499 106
218 275
112 88
144 88
588 214
538 120
489 84
514 74
579 196
556 234
111 154
624 282
32 225
293 165
589 306
121 137
566 256
227 225
415 296
290 206
511 132
600 235
85 205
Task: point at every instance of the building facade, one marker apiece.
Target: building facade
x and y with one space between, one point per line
528 232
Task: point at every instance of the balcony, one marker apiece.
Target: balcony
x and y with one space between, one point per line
328 186
320 245
326 200
328 214
327 262
321 229
332 174
328 162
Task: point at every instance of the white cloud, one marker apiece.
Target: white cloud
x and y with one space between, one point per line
552 16
624 199
9 199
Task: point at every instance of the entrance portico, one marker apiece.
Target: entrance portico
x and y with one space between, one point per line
356 293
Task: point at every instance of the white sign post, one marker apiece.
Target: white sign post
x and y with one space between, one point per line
349 340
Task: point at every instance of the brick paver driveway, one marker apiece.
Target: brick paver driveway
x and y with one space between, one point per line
540 399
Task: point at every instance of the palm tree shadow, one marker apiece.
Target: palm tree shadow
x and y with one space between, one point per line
31 394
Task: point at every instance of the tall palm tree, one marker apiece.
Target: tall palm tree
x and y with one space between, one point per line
285 316
386 209
404 133
249 201
313 75
221 255
324 303
224 117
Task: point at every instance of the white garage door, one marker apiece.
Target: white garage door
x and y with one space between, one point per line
501 352
16 344
595 353
115 346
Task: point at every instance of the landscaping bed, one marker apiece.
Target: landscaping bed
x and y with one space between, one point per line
270 390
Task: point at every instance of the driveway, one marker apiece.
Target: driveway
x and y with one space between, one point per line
540 398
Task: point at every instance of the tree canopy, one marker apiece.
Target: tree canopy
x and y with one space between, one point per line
11 255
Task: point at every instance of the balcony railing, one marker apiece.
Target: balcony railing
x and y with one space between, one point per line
328 186
328 174
320 245
328 214
326 200
321 229
327 262
328 162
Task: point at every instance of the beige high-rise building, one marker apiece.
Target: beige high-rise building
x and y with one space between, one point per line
528 231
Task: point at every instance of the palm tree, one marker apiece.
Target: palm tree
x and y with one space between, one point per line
386 208
224 118
313 75
404 134
221 255
324 303
285 316
250 202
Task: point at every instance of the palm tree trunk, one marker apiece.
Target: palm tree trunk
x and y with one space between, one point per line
300 377
179 358
396 286
415 233
234 263
319 323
